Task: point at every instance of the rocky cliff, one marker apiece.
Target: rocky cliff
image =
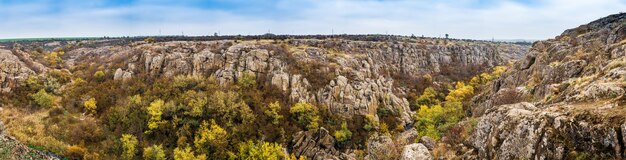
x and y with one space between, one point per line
349 77
563 100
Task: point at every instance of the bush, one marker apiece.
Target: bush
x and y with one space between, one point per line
154 152
129 144
247 80
306 115
155 110
90 105
272 112
260 150
344 134
430 97
211 140
43 99
186 154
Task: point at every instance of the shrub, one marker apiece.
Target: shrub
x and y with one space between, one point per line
371 122
260 150
247 80
90 105
428 98
306 115
186 154
272 112
155 110
129 144
43 99
344 134
99 75
154 152
211 140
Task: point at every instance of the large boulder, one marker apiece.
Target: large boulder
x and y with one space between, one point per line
415 151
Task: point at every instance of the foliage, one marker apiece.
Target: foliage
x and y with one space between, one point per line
98 75
247 80
272 112
211 139
460 92
260 150
306 115
90 105
129 144
154 152
43 99
149 40
371 122
344 134
428 98
426 120
186 154
155 110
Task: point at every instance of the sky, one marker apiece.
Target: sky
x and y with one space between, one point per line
468 19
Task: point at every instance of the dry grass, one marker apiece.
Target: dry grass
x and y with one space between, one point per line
30 129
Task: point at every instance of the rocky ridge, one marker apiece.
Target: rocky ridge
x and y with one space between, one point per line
570 107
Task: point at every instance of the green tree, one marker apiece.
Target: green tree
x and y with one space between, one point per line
306 115
344 134
426 120
272 112
43 99
428 98
154 152
129 144
260 150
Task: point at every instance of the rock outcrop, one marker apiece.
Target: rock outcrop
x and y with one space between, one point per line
568 98
316 144
415 151
12 71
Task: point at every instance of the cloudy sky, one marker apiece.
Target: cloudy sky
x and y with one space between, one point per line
474 19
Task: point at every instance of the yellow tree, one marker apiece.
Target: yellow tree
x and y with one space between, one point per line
154 152
129 144
211 140
260 150
155 110
186 154
306 115
272 112
90 105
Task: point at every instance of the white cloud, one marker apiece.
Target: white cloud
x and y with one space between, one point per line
461 19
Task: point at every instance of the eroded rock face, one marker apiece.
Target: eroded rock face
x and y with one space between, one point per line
12 71
571 90
316 144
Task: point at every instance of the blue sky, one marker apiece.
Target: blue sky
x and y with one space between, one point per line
475 19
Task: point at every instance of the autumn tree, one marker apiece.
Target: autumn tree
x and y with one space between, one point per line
185 153
428 98
43 99
260 150
230 109
155 110
90 105
129 144
306 115
98 75
154 152
211 140
272 112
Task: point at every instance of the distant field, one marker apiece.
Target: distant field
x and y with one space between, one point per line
43 39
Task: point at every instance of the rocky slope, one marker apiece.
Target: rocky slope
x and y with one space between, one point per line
563 100
349 77
11 149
